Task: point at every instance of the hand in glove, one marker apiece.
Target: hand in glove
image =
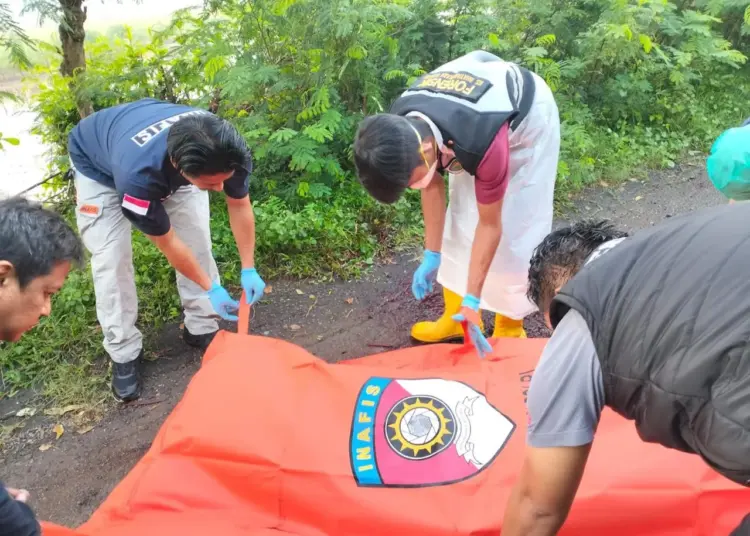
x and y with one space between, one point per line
425 275
469 316
252 284
222 302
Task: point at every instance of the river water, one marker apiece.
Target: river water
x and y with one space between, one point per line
22 166
25 164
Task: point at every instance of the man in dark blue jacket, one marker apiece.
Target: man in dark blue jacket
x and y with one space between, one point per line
37 250
149 164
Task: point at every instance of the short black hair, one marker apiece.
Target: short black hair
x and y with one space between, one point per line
205 144
386 152
562 253
35 239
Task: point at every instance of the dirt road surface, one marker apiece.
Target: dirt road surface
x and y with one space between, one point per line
337 321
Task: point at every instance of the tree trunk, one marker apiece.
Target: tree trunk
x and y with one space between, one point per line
72 36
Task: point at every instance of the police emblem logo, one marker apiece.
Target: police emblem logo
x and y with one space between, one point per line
427 432
420 427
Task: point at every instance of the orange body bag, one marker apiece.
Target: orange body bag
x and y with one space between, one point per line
268 440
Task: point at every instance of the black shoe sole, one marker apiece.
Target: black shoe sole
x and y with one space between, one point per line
449 340
195 341
128 398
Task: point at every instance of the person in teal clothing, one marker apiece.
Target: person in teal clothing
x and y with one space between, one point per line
728 165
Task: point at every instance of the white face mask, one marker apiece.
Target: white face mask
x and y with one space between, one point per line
425 181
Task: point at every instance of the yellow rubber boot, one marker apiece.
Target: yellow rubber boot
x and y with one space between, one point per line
507 327
444 329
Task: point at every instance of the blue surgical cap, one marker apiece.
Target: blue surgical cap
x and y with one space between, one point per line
729 163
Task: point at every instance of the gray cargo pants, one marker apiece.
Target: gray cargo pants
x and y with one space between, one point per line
106 233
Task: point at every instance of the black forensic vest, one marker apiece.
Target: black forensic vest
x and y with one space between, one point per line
469 99
669 314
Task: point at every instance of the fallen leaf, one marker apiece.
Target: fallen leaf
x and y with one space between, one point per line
299 291
85 430
268 289
312 296
59 430
604 184
57 412
349 301
45 447
638 198
295 327
26 412
182 326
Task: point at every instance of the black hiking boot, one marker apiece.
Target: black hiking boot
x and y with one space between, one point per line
198 341
126 381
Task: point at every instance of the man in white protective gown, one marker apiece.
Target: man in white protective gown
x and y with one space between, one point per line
495 128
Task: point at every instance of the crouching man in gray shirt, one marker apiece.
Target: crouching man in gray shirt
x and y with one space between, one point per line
657 327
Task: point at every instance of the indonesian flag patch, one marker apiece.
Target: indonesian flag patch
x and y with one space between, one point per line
133 204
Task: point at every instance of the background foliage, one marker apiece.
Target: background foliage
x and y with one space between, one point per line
638 83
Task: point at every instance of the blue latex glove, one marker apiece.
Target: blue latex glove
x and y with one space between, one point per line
469 313
252 284
222 302
424 277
